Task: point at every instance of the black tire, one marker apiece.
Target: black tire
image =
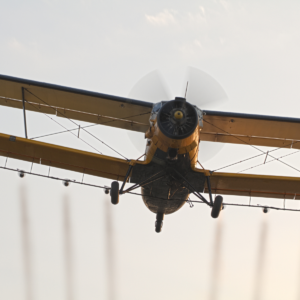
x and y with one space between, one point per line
159 222
158 226
217 207
114 192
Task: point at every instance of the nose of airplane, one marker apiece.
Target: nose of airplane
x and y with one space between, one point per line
177 119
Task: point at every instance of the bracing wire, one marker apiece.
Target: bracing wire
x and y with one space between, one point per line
87 126
251 146
68 130
77 124
255 156
295 152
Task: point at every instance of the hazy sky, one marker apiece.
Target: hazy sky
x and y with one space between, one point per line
251 47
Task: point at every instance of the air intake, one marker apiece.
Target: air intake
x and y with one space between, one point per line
177 119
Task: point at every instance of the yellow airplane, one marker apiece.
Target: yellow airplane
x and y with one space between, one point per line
173 130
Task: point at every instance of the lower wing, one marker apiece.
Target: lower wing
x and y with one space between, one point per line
250 185
63 157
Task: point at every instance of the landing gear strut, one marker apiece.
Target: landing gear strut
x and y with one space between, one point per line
159 221
217 207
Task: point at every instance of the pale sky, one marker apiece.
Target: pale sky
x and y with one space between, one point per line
251 47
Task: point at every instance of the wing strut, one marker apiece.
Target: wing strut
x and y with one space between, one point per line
209 190
125 179
24 113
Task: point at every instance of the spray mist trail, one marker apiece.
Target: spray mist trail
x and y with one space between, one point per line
26 249
110 255
68 248
298 289
216 261
261 255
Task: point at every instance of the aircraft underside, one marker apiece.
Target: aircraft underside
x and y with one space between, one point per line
164 191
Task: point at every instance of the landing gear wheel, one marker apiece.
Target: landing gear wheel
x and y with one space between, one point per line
217 207
159 222
114 192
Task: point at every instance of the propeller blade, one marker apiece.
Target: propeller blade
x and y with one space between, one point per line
203 90
206 93
152 88
208 150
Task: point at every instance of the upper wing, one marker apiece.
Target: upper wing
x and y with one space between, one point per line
237 184
75 103
257 130
63 157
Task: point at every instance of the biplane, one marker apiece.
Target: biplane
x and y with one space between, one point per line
173 130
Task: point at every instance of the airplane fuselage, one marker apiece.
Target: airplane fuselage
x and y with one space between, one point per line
171 153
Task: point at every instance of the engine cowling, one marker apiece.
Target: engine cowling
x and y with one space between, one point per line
177 119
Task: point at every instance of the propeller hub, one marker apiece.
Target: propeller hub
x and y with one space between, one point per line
178 115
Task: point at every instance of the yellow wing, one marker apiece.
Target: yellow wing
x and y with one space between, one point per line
257 130
63 157
116 169
75 103
253 185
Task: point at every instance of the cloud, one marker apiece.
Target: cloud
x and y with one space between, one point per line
172 17
30 48
225 4
202 9
222 28
198 43
15 44
163 18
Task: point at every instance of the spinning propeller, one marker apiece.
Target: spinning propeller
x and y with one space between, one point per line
200 89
